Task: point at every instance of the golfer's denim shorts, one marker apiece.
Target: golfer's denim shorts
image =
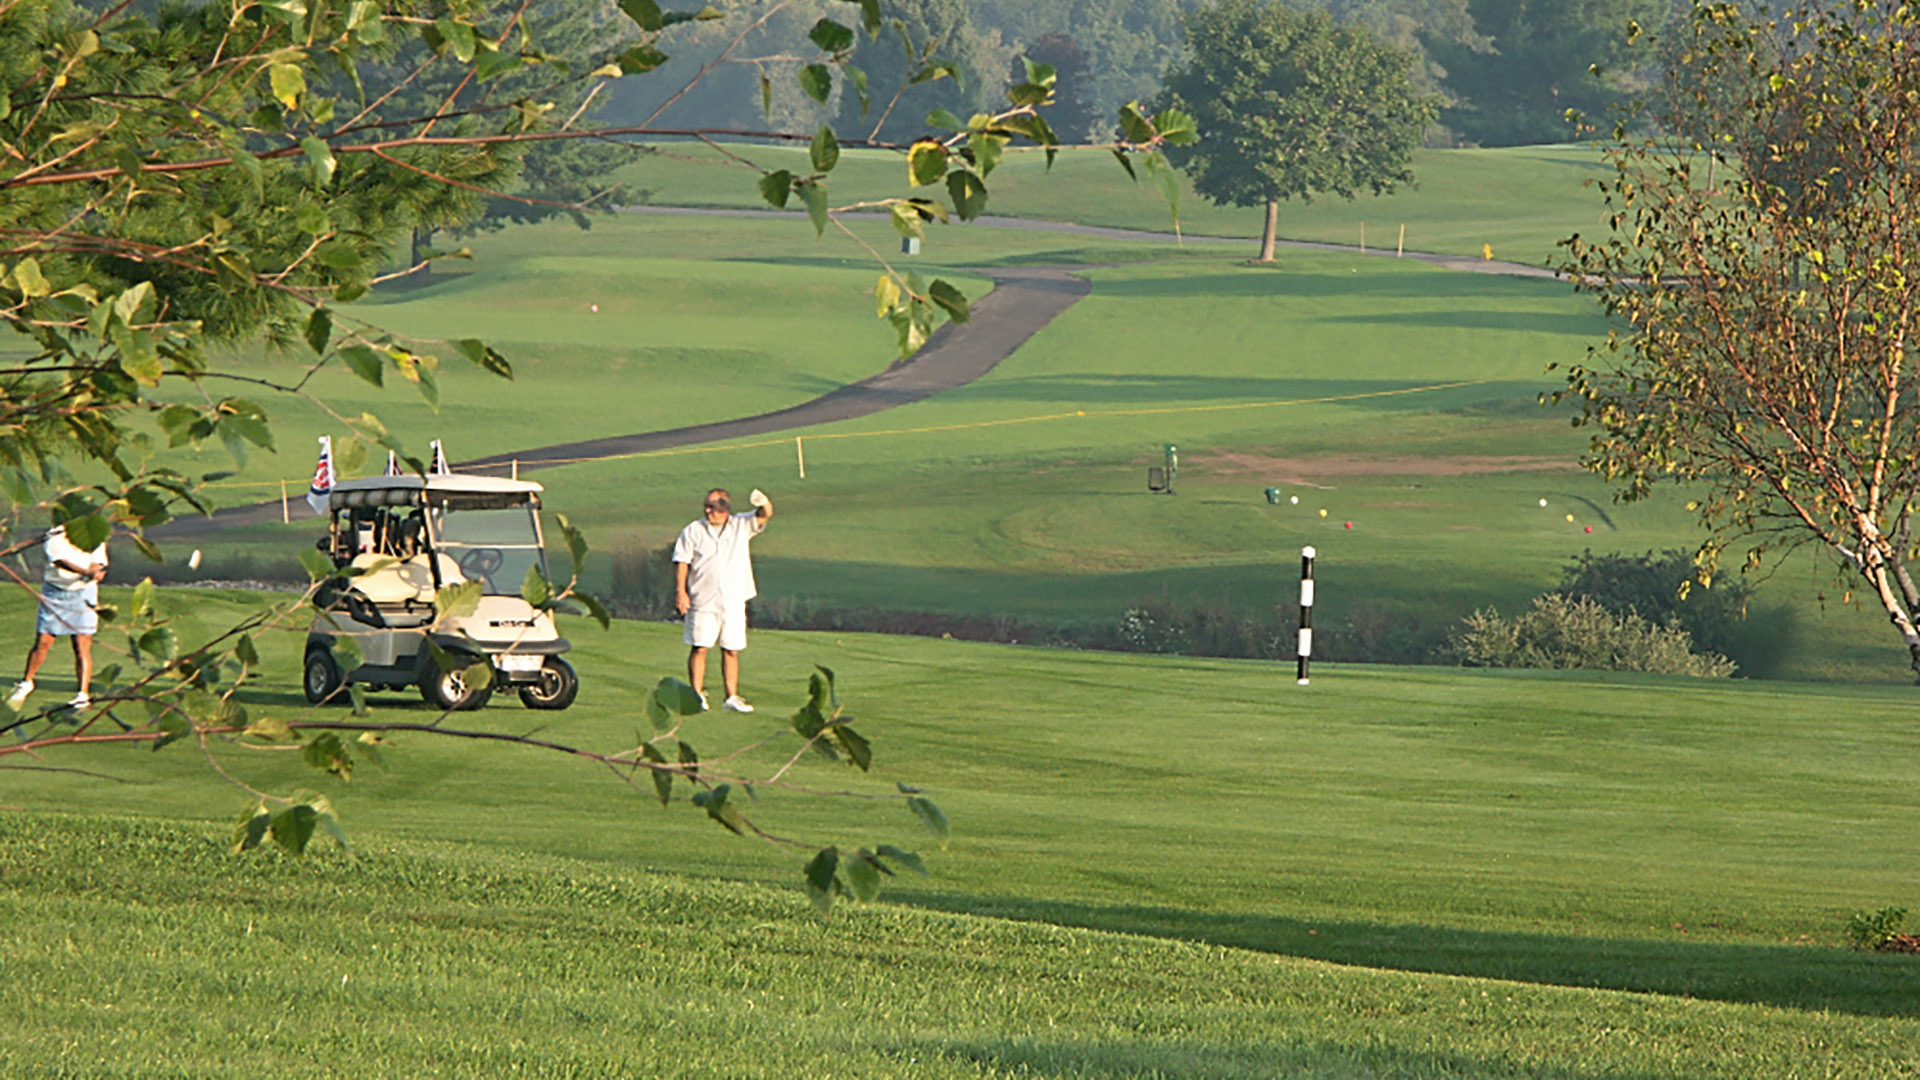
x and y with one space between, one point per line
69 611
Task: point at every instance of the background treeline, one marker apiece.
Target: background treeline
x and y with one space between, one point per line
1508 70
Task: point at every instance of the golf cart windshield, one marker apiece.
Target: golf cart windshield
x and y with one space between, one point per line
493 546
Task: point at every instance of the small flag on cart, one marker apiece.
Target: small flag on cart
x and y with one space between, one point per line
440 467
322 486
393 465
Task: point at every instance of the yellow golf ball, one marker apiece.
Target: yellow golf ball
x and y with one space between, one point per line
1569 517
1323 512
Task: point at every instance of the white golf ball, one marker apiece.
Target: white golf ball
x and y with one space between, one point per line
1295 500
595 308
193 560
1543 502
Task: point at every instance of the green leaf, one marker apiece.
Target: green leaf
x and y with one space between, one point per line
950 299
814 194
459 601
969 195
594 608
535 589
1126 163
905 858
1026 94
159 643
142 600
641 59
819 875
662 780
644 12
270 729
863 875
690 760
776 186
243 650
252 829
714 802
293 827
337 254
1134 125
926 162
459 38
825 150
942 118
677 696
347 654
1177 127
320 163
318 565
88 532
816 82
931 816
886 295
854 745
288 83
364 362
483 356
658 714
29 280
319 330
870 20
830 36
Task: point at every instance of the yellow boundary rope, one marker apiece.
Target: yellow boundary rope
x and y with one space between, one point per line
1076 414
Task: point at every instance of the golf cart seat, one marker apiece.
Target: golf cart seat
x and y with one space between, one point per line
399 593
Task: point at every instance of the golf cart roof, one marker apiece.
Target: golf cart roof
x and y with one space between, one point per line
409 490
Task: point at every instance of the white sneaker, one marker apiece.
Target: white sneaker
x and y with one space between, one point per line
734 704
80 701
21 690
703 701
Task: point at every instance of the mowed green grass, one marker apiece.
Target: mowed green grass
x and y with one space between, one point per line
698 319
1520 201
1192 866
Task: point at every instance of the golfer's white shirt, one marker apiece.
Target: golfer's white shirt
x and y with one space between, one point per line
58 547
719 566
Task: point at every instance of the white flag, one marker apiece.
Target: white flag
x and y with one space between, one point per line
322 486
440 467
393 465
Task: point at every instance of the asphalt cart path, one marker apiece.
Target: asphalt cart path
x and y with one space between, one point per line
1022 302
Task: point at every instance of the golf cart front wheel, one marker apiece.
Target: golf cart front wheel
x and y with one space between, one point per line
557 688
321 680
448 691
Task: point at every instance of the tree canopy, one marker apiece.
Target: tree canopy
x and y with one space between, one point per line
1766 285
1294 105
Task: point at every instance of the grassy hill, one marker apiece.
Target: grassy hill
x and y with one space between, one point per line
1521 201
1184 865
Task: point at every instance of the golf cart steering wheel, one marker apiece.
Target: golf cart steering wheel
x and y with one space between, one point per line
481 563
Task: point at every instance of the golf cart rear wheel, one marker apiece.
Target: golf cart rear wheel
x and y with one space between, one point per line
449 692
557 688
321 679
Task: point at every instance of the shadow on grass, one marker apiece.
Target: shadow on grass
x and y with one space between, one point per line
1545 322
1299 277
1786 976
1196 1060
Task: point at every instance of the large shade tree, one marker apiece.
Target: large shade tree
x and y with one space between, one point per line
180 177
1763 268
1294 105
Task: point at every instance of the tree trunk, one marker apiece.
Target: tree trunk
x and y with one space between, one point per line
1879 577
1266 235
422 272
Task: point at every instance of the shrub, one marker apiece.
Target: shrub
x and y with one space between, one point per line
1870 930
641 584
1560 631
1717 617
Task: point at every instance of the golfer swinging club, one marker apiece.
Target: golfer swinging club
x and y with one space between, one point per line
69 594
713 580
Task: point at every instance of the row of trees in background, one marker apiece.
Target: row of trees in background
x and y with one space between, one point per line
1506 71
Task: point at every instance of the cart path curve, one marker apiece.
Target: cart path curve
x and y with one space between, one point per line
1022 302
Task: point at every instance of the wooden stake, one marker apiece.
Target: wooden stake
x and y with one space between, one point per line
1363 238
800 455
1401 248
286 517
516 468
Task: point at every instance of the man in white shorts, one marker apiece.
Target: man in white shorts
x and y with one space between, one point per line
69 593
713 580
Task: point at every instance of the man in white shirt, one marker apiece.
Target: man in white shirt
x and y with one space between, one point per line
713 580
69 595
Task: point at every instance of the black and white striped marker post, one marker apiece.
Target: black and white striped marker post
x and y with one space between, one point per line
1306 610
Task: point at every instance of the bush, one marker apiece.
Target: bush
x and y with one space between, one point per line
1561 631
1871 930
1717 617
641 585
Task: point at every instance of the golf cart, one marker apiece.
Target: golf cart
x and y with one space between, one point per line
406 538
